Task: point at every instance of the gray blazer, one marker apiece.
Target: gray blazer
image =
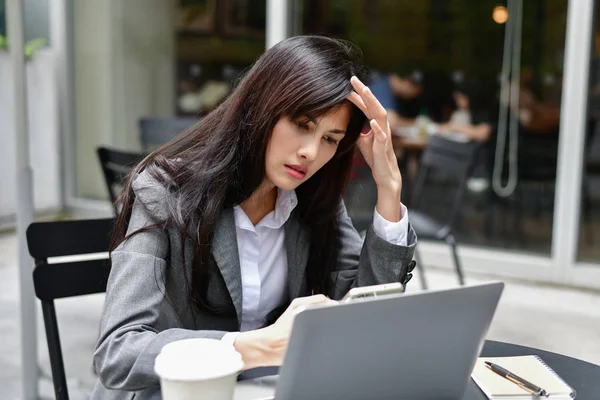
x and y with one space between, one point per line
139 319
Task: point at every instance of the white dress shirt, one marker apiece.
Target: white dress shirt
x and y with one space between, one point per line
263 257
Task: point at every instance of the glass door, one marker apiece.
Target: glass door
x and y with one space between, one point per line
457 50
588 250
575 234
548 228
581 211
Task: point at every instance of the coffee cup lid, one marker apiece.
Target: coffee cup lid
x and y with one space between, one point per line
197 359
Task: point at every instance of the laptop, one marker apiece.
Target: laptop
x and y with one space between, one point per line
414 346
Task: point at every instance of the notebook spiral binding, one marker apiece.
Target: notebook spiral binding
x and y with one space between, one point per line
573 393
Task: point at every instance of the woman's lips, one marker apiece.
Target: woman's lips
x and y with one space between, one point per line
296 171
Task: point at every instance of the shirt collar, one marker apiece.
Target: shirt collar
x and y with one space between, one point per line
284 205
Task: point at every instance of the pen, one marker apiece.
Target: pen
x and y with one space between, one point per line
536 390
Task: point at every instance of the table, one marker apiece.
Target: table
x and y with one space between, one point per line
584 377
410 144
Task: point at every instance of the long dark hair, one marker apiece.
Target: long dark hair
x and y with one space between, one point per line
220 161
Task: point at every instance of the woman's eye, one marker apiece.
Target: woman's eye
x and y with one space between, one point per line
329 139
301 125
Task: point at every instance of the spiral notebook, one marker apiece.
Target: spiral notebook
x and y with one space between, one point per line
531 368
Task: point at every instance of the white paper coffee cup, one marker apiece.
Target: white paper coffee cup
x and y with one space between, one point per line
194 369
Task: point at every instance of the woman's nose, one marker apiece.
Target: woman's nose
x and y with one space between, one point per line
309 149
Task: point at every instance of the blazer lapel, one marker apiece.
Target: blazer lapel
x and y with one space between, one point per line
225 252
296 246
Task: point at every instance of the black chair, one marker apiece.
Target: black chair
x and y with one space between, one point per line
451 162
155 132
66 279
116 165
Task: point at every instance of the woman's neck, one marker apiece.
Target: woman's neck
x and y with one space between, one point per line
260 203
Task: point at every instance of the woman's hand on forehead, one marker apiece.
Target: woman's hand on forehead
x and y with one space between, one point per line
364 99
377 149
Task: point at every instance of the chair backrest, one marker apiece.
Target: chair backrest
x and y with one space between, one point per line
116 165
155 132
452 159
77 277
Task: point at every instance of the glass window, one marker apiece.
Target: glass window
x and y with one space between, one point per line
155 68
436 65
216 40
2 18
589 236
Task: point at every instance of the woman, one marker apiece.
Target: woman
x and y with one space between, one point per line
229 228
474 113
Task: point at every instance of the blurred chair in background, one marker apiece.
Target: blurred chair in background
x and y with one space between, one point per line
453 161
116 165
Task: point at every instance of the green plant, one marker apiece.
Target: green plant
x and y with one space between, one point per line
30 47
33 45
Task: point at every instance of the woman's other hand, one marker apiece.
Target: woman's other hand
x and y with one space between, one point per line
266 346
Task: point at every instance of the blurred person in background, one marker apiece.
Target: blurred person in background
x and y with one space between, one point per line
436 102
400 96
538 114
474 115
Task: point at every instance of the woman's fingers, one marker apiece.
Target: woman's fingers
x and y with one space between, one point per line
365 145
385 161
310 300
380 138
358 102
374 108
300 304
